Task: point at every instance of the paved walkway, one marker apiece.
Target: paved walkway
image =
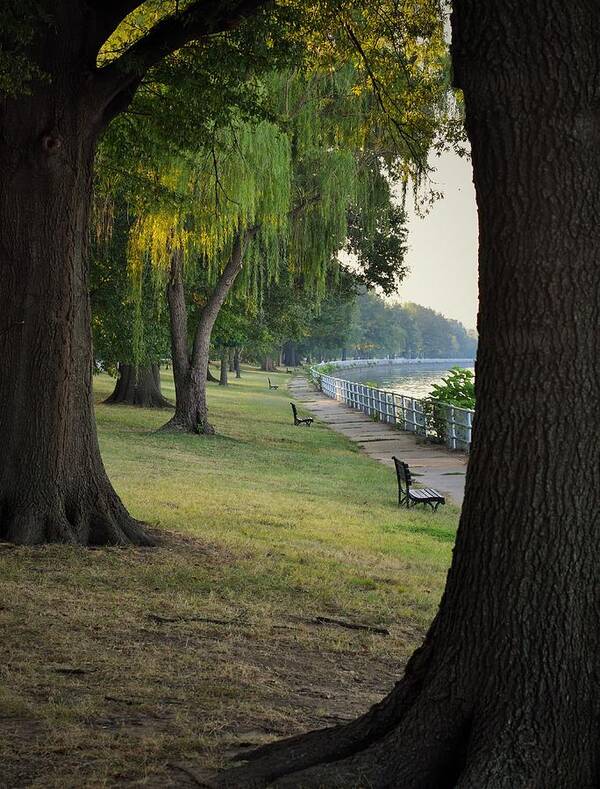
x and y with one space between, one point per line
432 466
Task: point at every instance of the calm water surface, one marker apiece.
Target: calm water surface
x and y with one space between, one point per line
415 380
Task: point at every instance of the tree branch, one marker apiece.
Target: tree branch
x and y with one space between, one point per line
299 209
114 8
220 292
199 20
210 311
111 13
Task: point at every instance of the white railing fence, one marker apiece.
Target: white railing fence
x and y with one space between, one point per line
427 418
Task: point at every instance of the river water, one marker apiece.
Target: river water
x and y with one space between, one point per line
414 380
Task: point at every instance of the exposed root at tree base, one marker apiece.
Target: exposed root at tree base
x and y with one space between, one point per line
74 521
177 426
362 753
421 752
157 402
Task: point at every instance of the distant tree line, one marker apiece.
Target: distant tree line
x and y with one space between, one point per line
363 325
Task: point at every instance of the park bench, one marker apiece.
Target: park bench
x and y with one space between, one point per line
272 386
297 421
409 496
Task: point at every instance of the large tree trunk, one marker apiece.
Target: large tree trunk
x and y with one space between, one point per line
236 363
139 386
504 692
53 486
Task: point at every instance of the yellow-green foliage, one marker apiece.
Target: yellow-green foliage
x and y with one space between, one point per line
243 180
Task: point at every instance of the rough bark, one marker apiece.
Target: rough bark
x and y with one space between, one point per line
53 486
504 692
190 371
139 386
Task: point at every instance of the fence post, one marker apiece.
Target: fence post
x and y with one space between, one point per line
407 413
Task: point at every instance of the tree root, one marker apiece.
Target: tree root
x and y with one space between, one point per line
297 755
154 401
425 750
441 731
178 425
76 518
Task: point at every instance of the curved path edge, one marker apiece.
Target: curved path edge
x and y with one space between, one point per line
432 466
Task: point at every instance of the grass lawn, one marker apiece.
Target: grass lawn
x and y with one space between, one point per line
120 664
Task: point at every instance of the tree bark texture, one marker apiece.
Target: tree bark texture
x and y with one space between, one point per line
139 386
53 486
236 363
190 371
504 692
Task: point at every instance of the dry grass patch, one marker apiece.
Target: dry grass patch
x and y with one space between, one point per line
117 664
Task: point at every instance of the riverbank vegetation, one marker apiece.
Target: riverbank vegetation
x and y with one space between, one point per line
380 328
116 664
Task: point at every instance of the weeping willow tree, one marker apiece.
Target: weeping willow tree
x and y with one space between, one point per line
260 197
237 195
129 330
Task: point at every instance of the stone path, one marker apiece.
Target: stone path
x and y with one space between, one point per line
432 466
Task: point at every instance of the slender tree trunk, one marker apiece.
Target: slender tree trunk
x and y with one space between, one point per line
138 386
236 363
190 372
230 360
503 694
224 367
53 486
191 412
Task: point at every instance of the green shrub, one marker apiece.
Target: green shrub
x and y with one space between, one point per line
458 388
315 373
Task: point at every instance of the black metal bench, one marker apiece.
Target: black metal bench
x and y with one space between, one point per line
272 386
409 496
297 421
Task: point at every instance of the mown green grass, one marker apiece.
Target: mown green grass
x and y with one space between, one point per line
315 514
262 527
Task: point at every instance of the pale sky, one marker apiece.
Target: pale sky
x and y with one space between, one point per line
442 254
